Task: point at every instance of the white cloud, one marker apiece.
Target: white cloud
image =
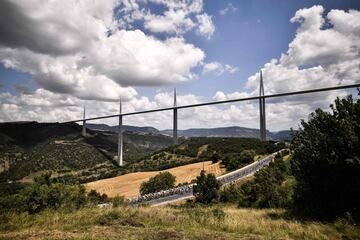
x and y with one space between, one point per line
218 68
229 8
206 27
178 17
76 48
313 60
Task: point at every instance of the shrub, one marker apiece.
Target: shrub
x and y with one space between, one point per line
162 181
326 161
218 213
96 197
270 188
230 193
44 194
235 161
206 188
118 201
109 217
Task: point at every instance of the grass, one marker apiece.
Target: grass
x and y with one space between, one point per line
215 222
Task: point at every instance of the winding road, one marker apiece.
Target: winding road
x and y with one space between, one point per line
186 192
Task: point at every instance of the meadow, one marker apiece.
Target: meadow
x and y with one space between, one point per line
218 221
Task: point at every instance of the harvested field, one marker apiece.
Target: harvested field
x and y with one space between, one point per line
128 185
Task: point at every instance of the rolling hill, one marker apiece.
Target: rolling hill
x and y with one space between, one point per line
29 148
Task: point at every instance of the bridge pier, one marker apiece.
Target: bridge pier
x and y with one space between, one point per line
175 127
83 133
120 139
262 110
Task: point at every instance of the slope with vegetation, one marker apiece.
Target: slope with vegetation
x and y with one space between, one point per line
203 149
28 149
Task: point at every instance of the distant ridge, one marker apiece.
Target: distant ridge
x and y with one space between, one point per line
128 128
234 131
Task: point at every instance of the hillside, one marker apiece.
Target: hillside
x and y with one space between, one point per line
171 222
128 185
29 148
200 149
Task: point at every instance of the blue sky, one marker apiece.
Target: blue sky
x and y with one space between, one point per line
245 37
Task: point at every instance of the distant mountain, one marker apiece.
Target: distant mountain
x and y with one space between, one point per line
285 135
128 128
234 131
218 132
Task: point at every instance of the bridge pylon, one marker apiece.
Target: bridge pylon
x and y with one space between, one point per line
175 126
83 133
262 110
120 138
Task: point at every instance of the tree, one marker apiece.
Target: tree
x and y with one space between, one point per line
326 161
162 181
235 161
206 188
271 187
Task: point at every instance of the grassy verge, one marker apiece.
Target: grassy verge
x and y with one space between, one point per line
215 222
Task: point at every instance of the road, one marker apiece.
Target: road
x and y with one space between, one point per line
185 192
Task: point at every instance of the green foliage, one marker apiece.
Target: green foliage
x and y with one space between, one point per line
218 213
43 194
215 157
206 188
10 188
238 160
326 161
118 201
162 181
270 188
96 197
27 148
231 193
109 217
217 149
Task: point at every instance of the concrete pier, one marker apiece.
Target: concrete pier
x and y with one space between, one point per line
175 127
120 139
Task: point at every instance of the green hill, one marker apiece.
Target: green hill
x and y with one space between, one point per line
29 148
199 149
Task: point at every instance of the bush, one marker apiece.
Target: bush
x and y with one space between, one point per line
206 188
326 161
271 187
109 217
118 201
44 194
162 181
96 197
230 193
235 161
218 213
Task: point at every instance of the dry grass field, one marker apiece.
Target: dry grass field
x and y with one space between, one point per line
203 222
128 185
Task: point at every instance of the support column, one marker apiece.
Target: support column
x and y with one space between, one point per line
84 125
262 110
120 139
175 128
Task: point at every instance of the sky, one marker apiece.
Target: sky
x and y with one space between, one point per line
57 56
